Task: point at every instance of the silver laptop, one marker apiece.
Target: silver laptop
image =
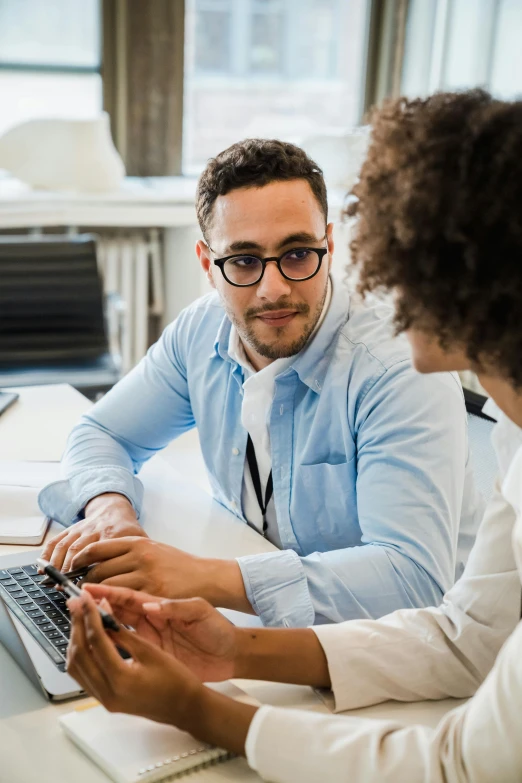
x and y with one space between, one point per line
34 626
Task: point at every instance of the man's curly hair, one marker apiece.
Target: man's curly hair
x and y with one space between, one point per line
254 163
439 222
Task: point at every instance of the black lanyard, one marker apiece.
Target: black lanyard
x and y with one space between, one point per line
256 481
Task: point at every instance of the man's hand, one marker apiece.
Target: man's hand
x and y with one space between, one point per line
152 683
162 570
191 630
106 516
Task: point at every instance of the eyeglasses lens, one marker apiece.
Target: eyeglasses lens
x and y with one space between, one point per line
247 270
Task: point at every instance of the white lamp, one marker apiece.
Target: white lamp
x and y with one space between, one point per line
58 154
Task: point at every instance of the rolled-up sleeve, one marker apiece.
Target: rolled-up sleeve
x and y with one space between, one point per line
276 586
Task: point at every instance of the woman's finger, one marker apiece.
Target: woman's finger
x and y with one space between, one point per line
79 660
127 604
102 649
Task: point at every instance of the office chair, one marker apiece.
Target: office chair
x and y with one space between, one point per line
53 325
483 458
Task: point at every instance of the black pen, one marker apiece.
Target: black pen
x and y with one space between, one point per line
73 591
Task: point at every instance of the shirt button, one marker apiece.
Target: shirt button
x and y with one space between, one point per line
235 451
234 505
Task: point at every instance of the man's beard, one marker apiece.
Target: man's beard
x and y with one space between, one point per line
278 349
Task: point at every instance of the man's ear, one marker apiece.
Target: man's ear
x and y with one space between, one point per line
330 242
203 253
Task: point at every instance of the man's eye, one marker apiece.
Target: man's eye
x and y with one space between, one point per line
244 261
297 255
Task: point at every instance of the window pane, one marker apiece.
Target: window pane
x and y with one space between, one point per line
287 69
266 48
506 77
213 42
26 96
463 44
52 32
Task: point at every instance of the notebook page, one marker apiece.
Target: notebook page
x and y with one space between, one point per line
21 521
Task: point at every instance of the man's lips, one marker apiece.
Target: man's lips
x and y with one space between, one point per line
277 317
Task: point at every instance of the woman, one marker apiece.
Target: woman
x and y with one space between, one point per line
439 226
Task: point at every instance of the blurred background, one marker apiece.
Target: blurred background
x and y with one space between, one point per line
97 223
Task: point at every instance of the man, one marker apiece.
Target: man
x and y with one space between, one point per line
443 184
329 399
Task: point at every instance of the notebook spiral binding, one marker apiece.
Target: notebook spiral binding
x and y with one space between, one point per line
166 771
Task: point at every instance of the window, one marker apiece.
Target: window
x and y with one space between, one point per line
50 60
458 44
287 69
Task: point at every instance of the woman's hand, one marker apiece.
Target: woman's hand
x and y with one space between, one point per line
152 683
191 630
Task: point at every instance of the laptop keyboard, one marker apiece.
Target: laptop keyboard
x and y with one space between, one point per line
41 610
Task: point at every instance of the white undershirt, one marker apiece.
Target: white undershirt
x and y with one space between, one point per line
258 393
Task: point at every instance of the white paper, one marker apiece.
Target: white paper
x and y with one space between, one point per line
21 520
28 474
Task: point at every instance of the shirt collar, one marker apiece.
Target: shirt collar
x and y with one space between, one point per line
310 364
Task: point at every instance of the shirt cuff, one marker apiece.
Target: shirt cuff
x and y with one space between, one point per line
277 588
65 500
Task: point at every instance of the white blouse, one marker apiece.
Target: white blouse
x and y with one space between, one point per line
450 651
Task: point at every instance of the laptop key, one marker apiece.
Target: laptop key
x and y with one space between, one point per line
55 596
14 570
52 614
40 599
53 634
30 569
11 588
35 614
58 641
47 626
60 621
41 621
23 601
62 648
46 607
32 589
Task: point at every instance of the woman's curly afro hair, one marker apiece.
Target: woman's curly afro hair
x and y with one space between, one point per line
439 222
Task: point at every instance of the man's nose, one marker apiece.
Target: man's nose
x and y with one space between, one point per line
273 285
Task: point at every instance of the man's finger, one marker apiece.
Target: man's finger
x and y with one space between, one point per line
132 580
60 550
78 546
49 547
106 549
125 564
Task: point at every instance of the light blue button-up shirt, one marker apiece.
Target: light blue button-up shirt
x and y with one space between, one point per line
369 460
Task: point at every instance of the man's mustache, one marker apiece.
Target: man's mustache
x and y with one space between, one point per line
253 312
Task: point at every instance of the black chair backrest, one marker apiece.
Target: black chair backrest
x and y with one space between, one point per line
51 301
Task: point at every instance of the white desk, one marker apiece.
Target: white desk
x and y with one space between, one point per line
32 746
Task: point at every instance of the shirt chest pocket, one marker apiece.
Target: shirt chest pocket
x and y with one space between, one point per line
325 494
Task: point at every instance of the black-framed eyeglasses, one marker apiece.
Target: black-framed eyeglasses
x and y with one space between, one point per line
298 264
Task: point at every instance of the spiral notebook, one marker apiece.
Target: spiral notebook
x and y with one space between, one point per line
136 750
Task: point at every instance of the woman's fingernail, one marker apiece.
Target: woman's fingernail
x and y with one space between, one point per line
152 607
